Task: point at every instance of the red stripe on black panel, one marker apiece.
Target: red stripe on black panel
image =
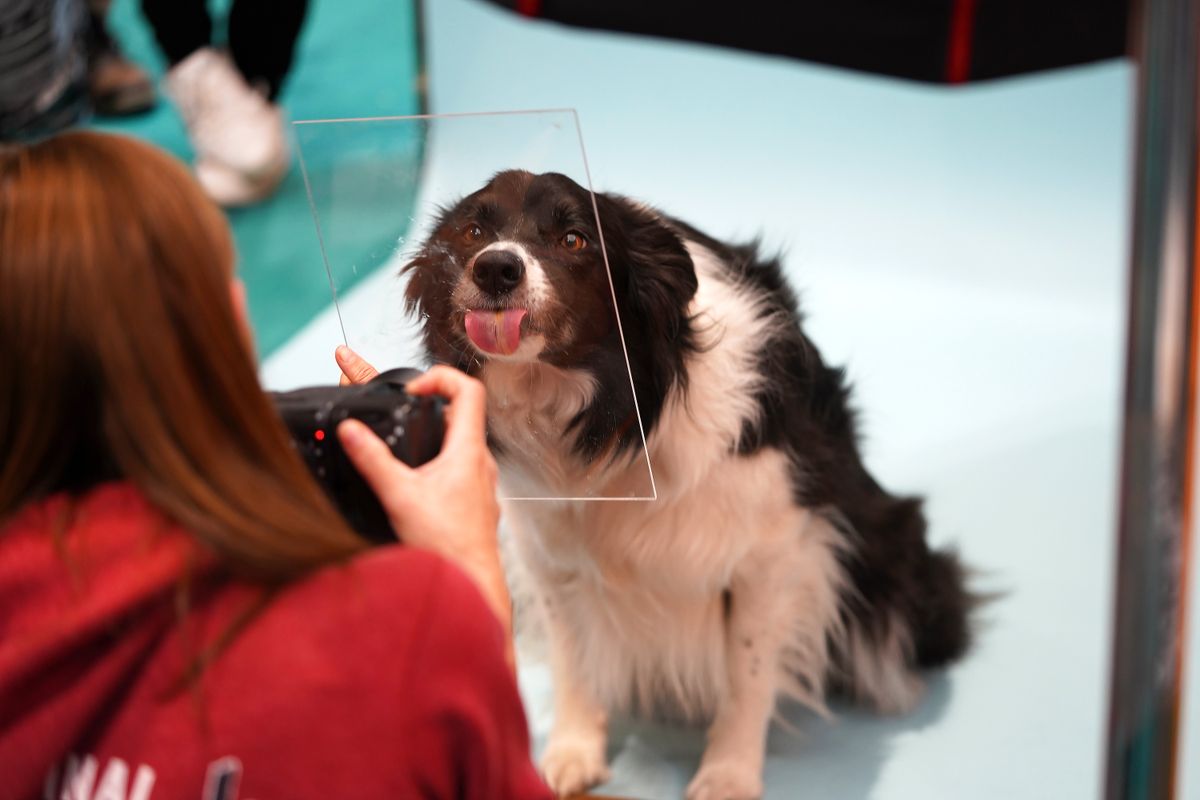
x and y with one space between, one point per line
958 48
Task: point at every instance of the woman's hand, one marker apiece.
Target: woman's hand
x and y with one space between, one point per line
447 505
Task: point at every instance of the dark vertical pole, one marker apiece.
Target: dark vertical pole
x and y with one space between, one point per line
1155 502
419 24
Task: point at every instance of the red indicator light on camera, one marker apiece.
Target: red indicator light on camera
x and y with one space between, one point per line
319 436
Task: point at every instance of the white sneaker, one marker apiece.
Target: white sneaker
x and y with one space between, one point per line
239 137
232 189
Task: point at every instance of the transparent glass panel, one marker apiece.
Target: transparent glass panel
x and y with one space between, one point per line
499 269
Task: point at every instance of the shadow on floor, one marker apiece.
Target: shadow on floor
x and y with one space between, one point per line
806 755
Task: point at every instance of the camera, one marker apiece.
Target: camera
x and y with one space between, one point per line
412 426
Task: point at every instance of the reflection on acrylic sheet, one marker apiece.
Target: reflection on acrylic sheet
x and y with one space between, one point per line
474 240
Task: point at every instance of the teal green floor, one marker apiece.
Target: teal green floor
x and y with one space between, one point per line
279 256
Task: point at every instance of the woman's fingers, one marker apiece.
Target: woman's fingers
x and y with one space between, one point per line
354 368
467 421
387 476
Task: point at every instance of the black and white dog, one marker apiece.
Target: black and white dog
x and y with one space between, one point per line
771 562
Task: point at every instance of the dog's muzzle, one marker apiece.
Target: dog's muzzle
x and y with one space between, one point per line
498 274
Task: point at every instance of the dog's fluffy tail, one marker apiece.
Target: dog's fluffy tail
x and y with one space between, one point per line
909 607
941 618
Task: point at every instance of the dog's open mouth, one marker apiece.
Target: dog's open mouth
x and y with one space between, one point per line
496 331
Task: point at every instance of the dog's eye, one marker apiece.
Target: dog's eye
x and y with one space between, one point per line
573 240
473 233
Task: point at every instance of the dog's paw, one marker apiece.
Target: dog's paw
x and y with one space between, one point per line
726 780
573 764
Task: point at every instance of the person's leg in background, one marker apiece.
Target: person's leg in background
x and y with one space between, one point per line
226 101
262 40
181 27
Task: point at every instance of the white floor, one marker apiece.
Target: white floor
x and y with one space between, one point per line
963 252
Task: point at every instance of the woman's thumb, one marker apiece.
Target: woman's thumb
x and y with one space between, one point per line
354 368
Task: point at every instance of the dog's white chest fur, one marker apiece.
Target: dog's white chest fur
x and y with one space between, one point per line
641 584
529 406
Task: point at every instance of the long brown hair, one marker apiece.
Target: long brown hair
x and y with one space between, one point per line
121 356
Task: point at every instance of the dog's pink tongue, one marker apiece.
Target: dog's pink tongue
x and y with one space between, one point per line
496 331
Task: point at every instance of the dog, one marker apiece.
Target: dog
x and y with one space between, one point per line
770 563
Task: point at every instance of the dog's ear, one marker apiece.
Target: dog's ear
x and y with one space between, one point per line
427 299
655 282
425 271
652 268
416 272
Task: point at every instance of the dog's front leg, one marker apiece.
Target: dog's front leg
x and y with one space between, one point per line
574 758
731 768
761 621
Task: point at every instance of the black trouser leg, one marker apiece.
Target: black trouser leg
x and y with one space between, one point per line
181 26
262 39
98 38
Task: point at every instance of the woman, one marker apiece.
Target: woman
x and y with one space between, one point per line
181 609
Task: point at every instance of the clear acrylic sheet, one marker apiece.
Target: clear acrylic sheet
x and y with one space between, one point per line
420 166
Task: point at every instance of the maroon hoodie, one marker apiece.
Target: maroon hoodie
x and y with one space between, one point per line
383 678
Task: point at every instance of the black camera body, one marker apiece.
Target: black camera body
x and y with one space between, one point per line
412 426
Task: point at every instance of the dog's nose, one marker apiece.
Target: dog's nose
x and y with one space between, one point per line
498 271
